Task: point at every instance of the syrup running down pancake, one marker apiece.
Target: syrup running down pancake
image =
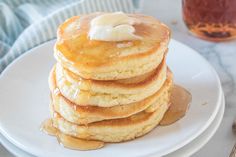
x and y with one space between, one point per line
81 114
106 60
111 82
110 93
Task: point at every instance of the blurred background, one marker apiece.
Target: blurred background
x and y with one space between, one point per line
221 55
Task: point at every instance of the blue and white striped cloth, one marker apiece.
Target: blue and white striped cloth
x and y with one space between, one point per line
25 24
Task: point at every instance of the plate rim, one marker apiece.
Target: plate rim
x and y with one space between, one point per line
213 131
30 52
220 116
213 115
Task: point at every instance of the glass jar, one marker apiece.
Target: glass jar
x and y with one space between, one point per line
213 20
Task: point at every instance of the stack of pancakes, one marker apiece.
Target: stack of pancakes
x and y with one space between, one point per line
110 91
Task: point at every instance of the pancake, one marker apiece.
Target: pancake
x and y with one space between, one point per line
116 130
124 86
106 60
88 114
109 93
113 88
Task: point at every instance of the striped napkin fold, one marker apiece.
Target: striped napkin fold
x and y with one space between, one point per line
25 24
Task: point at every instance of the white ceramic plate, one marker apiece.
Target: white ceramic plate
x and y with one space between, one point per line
24 97
202 139
187 150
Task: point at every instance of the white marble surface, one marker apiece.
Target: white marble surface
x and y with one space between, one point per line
221 55
223 58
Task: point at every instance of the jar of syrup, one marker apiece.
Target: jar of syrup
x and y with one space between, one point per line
213 20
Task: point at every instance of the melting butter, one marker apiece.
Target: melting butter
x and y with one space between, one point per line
112 27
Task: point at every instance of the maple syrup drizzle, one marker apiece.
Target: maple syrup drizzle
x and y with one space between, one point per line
80 94
75 47
180 100
69 141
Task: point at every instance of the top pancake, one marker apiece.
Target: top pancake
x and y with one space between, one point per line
103 60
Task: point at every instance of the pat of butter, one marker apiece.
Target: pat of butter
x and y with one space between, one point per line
112 27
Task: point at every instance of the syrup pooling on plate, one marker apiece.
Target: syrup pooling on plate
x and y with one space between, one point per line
179 104
69 141
48 128
74 46
180 100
